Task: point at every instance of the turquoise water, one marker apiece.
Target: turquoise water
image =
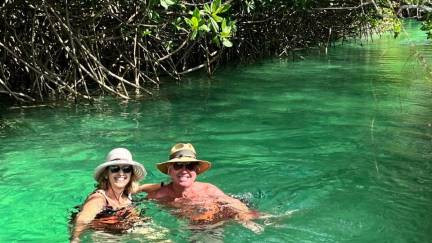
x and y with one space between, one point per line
343 141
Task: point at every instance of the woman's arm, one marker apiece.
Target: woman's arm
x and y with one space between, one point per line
94 205
148 188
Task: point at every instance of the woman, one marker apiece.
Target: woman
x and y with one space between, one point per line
109 207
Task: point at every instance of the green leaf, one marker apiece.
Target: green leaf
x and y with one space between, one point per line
226 30
215 5
153 15
196 13
397 28
194 34
225 34
226 42
215 40
205 28
195 23
217 18
188 21
223 8
214 25
177 23
233 26
207 9
163 4
226 8
224 26
168 45
145 33
166 3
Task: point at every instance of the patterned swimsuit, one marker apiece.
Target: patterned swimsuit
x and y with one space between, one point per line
115 220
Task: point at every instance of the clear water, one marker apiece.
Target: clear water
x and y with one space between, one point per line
345 139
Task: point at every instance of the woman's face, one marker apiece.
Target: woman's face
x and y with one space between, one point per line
119 175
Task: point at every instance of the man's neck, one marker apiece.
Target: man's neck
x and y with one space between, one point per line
180 191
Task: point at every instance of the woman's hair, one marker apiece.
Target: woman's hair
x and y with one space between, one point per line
103 183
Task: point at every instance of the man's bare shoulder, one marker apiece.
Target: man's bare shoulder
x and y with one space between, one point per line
199 184
208 187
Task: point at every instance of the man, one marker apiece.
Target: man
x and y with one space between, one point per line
201 203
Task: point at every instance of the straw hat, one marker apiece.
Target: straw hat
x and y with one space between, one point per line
183 153
120 156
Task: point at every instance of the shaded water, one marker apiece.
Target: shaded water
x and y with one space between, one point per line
344 138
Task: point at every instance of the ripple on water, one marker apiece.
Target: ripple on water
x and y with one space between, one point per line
344 138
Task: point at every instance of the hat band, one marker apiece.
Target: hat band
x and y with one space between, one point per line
119 159
182 153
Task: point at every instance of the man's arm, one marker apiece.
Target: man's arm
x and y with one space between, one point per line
161 192
244 214
149 188
221 196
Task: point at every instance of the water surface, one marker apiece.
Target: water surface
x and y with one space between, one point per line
343 138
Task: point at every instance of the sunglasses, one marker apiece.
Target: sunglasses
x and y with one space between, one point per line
116 169
188 166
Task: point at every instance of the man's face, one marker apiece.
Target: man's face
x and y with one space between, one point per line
183 174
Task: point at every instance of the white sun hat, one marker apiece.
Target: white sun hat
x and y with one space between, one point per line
120 156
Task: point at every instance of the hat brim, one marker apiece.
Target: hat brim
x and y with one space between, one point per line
202 164
138 168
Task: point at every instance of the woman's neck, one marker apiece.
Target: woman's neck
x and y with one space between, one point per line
116 194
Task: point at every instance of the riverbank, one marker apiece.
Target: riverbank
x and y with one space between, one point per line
80 50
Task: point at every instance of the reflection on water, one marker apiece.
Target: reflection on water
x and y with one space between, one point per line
344 139
141 233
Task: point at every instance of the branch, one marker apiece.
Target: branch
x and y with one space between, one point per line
42 73
94 59
200 66
14 94
347 8
258 21
176 50
411 6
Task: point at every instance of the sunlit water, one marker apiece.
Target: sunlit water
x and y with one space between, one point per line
344 140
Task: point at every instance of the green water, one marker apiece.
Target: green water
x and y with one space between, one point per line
344 138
